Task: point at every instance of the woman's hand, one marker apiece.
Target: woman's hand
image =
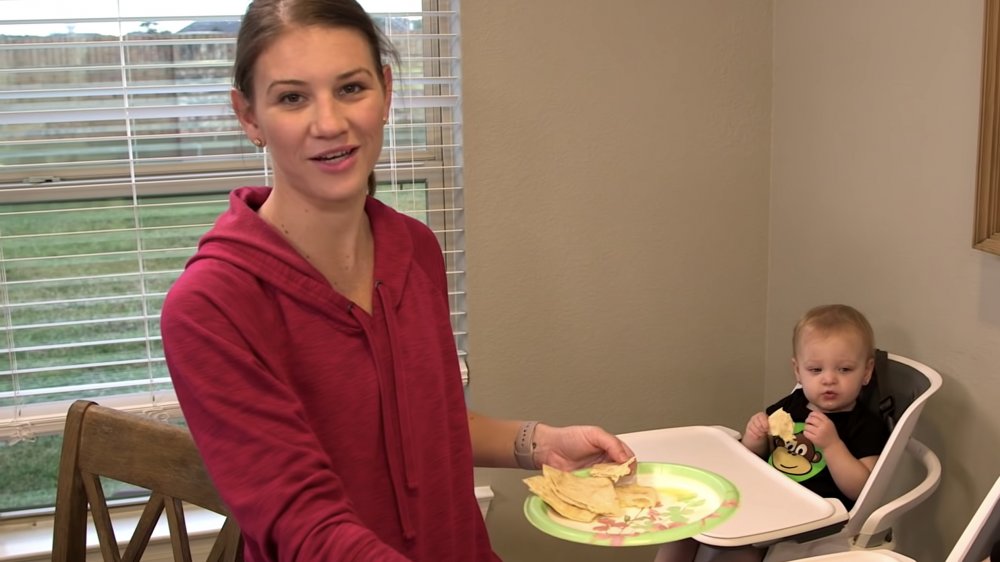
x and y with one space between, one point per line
577 446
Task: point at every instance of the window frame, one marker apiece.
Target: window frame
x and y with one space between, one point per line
986 232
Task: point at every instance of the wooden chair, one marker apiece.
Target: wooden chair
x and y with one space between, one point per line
162 458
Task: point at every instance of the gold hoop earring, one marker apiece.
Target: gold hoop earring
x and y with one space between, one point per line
259 143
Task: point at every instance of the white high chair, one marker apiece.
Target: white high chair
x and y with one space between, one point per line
982 532
979 536
899 390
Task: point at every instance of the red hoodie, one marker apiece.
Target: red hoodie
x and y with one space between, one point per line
330 433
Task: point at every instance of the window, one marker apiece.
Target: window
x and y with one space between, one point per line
117 150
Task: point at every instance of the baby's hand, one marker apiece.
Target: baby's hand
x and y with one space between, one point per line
820 430
755 437
757 427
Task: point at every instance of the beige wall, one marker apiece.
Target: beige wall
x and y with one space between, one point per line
617 172
874 161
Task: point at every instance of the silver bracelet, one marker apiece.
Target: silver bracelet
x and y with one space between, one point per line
524 446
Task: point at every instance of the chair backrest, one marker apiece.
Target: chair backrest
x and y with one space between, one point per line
892 389
101 442
909 384
982 532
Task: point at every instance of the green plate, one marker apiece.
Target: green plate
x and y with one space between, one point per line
692 501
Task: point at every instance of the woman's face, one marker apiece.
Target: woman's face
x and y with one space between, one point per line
320 106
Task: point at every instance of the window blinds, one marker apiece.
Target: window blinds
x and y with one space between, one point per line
117 150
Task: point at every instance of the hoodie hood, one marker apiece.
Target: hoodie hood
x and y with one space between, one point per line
242 238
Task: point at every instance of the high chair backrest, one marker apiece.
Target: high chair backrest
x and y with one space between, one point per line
103 443
982 532
891 391
905 385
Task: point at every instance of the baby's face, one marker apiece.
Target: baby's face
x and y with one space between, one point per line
832 367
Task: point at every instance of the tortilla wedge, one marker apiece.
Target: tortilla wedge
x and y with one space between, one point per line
612 470
595 494
585 498
542 487
780 424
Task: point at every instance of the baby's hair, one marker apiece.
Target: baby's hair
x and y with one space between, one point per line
829 318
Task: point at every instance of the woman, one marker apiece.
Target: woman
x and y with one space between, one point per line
309 338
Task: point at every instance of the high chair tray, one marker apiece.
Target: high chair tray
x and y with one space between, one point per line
772 506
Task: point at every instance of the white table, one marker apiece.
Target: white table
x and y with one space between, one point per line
772 506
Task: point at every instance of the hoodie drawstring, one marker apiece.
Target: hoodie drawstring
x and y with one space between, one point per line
398 471
402 404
